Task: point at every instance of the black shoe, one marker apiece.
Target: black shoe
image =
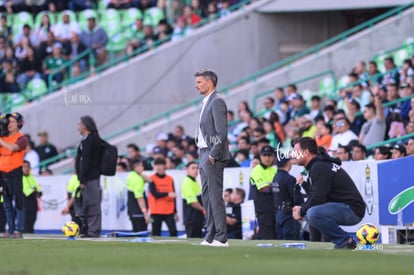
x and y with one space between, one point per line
351 244
89 236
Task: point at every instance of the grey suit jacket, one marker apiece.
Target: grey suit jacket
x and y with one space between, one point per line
213 126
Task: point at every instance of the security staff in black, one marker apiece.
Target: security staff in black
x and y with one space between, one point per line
261 177
286 194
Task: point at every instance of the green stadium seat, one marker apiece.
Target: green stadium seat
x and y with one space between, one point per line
379 59
129 16
110 15
326 87
111 23
72 16
38 19
20 19
401 55
153 16
17 100
342 82
307 95
117 42
36 87
101 6
83 18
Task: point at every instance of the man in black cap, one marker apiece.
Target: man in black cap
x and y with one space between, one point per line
88 171
398 151
261 179
286 194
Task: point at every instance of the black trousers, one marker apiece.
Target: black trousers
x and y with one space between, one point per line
157 222
3 220
194 229
30 214
138 224
266 226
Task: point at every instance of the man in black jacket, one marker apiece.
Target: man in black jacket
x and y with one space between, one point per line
87 169
333 197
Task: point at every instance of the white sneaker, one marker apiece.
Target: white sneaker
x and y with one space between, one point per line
205 243
219 244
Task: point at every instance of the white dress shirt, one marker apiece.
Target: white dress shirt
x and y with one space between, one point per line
201 143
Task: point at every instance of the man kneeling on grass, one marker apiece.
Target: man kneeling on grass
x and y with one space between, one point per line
333 198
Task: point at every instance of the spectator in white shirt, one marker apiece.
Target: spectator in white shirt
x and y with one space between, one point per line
343 136
63 31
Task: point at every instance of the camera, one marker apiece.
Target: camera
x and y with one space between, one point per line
4 123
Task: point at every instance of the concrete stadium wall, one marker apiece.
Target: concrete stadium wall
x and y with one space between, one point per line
235 46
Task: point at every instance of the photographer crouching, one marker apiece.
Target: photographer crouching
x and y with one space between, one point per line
13 145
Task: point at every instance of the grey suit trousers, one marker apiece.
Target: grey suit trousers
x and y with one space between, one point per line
89 209
212 195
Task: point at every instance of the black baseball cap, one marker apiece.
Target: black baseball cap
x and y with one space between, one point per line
267 150
281 161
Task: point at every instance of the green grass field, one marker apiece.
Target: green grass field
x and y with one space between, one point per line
42 255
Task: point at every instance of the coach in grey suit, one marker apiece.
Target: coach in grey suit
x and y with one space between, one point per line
214 154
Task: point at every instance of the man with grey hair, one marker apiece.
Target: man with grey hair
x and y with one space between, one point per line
214 154
87 168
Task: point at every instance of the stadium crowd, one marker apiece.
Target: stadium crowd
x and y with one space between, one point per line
59 32
347 128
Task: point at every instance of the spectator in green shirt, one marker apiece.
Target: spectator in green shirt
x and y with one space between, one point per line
53 63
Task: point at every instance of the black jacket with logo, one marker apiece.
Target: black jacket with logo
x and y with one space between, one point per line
328 182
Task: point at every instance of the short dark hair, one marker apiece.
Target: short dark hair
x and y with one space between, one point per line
260 130
293 86
307 143
228 190
122 164
270 99
372 62
356 104
179 146
190 163
159 161
264 140
390 59
329 108
27 162
208 74
133 163
360 146
244 152
245 139
133 146
354 75
371 106
316 97
241 192
328 126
